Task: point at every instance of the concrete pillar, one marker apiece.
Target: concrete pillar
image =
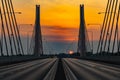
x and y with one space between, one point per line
38 47
82 34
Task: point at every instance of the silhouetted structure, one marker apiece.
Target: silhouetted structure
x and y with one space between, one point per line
83 40
36 43
38 49
109 38
10 41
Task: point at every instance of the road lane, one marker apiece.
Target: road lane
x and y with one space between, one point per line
68 72
38 73
35 70
87 70
79 72
51 74
14 67
70 68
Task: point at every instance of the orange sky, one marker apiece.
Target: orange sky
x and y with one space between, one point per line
60 18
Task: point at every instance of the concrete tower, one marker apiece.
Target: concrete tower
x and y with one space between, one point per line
38 47
82 36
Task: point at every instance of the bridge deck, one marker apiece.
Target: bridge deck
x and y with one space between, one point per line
60 69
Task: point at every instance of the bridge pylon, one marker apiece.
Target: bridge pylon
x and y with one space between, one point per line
83 41
38 49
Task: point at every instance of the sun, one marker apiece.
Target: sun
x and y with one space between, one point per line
70 52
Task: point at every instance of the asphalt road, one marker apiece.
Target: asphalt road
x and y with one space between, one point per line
60 69
34 70
87 70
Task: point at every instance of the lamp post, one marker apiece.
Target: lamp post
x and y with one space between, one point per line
11 36
92 24
105 12
1 43
28 42
11 13
91 40
19 26
27 34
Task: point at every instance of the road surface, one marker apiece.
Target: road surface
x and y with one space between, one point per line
87 70
34 70
60 69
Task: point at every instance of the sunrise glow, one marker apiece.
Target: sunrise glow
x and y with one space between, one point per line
60 19
71 52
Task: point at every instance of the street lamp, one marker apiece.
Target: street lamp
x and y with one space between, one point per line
92 24
19 26
105 12
28 40
11 13
18 12
27 34
11 36
92 39
92 32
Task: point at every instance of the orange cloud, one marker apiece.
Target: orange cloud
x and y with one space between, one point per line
60 34
61 18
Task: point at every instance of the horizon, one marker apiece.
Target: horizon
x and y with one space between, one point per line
60 21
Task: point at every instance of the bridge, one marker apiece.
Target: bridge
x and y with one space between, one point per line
16 64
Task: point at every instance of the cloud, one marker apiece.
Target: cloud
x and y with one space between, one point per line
57 33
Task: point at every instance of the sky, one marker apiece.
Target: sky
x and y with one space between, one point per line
59 20
57 15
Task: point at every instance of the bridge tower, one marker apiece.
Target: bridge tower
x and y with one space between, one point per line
82 34
38 47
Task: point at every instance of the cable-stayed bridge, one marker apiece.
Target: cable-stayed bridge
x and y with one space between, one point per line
15 64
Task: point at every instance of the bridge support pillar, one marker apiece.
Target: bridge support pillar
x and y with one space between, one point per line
38 47
82 36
